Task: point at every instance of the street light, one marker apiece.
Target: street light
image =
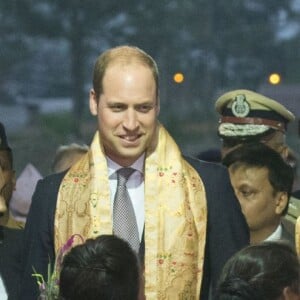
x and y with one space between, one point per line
178 77
274 78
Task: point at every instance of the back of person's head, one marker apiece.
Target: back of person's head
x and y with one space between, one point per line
104 268
67 155
258 155
266 271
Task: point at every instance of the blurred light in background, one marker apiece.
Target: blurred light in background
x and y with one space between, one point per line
274 78
178 77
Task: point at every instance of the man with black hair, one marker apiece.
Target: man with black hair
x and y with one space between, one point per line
262 182
250 117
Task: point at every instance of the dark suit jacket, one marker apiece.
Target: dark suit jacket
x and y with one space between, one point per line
10 259
287 236
39 235
227 229
296 194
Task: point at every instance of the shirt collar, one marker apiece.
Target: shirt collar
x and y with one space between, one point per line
276 235
137 165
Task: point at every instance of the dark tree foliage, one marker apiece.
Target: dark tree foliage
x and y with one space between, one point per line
217 44
13 51
83 25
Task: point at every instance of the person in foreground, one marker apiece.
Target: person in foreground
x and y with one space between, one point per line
134 183
266 271
102 268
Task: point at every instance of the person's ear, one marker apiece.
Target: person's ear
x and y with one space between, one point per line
93 103
281 202
289 294
284 152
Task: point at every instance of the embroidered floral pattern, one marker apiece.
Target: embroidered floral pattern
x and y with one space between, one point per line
175 215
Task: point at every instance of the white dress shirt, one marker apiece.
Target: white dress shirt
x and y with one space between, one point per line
3 294
276 235
135 187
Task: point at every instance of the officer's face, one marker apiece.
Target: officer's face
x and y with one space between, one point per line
261 205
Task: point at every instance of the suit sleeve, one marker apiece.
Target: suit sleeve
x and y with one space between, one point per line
38 250
10 260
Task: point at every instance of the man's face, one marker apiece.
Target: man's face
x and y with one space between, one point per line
7 181
275 141
127 111
260 204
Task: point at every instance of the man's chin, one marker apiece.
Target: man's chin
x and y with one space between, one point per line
127 157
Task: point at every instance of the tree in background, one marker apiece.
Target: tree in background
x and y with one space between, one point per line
13 52
82 25
218 45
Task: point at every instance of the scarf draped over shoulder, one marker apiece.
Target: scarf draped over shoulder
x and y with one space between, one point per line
175 215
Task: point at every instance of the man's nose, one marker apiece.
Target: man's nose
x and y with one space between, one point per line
130 120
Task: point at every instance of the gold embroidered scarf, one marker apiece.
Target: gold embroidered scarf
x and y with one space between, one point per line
175 215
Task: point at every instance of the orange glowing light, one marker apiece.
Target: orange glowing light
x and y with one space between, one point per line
178 77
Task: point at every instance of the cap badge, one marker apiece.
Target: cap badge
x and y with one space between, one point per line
240 107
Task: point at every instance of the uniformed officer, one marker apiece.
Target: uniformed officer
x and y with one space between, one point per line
246 116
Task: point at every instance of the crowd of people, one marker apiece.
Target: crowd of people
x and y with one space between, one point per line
155 223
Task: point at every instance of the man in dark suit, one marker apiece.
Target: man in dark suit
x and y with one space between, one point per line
10 235
186 208
227 228
262 182
296 194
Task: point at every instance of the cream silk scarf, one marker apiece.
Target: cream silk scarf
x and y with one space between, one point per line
175 215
